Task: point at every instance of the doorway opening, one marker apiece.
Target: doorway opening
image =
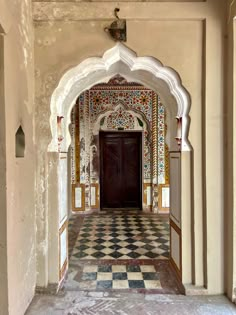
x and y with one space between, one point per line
120 138
119 239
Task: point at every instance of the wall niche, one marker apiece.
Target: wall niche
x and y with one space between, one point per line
20 143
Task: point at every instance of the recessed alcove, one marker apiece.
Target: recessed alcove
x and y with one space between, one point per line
20 143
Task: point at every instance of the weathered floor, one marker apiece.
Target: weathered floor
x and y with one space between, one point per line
120 250
115 268
104 303
147 277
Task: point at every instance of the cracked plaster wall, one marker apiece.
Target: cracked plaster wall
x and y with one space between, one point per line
20 178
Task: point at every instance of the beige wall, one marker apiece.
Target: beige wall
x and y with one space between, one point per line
229 122
19 172
185 36
3 224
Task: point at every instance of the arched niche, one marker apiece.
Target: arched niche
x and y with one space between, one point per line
20 143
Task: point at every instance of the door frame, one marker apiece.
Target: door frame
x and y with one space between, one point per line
141 146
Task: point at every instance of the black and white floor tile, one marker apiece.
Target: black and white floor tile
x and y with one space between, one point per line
120 277
117 250
120 236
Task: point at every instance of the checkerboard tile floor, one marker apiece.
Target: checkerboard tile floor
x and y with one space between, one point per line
120 250
143 276
120 277
119 235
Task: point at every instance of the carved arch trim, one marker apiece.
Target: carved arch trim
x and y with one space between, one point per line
117 60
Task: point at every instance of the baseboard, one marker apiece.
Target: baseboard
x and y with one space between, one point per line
191 289
50 289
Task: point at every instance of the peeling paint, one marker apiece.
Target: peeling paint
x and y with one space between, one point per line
18 70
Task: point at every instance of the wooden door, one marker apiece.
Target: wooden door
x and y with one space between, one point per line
120 169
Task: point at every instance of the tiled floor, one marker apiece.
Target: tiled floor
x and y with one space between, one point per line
119 235
144 276
122 286
121 277
116 250
127 287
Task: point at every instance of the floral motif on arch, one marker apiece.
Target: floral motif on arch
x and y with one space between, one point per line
120 119
105 98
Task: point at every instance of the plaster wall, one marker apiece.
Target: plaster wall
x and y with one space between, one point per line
19 212
3 202
185 36
229 123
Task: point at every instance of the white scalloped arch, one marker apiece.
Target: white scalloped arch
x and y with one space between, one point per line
117 60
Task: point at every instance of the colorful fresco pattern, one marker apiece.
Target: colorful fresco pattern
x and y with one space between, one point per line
105 97
161 143
120 120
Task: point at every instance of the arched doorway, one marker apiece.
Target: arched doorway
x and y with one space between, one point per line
122 107
164 81
121 135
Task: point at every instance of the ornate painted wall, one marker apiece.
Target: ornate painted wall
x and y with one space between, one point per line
118 105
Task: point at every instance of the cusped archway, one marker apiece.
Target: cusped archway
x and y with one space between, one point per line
118 60
166 82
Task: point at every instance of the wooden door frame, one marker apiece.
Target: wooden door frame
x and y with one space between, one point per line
141 145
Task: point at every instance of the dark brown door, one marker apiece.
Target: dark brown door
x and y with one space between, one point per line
120 169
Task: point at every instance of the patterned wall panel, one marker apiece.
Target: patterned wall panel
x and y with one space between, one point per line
167 166
72 150
81 110
77 144
161 143
106 97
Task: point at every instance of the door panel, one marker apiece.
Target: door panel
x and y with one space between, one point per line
131 172
120 170
111 172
